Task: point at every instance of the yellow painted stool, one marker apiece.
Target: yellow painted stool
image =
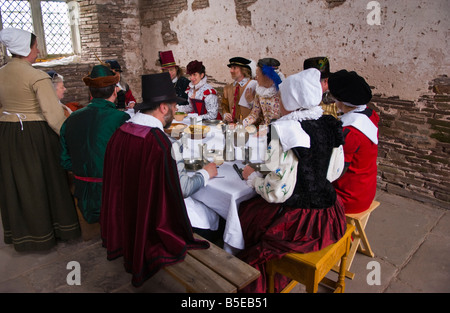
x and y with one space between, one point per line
360 240
310 269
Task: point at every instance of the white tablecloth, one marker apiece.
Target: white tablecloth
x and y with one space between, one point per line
222 195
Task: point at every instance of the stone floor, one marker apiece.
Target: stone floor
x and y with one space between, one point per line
411 241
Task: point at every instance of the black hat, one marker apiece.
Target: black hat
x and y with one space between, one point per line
239 61
320 63
156 89
349 87
268 62
114 65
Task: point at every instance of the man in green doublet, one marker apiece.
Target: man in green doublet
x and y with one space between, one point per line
84 136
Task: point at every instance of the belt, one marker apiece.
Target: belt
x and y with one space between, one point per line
89 179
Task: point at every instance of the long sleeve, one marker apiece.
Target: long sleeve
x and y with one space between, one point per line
225 105
189 184
185 108
212 106
252 118
51 108
279 184
66 160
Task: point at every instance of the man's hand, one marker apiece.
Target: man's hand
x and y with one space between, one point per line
211 168
227 117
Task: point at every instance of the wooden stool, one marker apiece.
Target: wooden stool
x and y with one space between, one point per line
310 269
360 241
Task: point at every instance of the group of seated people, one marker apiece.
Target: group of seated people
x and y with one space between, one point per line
126 179
298 208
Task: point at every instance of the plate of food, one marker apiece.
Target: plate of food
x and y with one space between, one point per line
175 130
179 116
197 131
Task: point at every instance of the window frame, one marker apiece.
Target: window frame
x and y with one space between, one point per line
38 26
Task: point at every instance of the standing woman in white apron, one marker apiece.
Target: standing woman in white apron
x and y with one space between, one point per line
36 205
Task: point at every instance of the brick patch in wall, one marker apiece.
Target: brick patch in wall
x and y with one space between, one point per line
243 15
73 75
414 147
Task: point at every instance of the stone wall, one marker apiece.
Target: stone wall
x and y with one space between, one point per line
414 147
73 75
111 30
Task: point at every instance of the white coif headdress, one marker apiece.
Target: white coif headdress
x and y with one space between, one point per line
16 40
302 90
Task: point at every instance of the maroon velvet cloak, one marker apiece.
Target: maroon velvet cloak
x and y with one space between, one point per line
143 216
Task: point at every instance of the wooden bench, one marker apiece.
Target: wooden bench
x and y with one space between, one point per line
310 269
212 270
360 240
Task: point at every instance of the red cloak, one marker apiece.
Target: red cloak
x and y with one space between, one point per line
143 216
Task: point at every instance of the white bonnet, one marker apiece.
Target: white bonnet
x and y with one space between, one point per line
302 90
16 40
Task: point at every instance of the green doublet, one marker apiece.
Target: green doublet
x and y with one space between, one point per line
84 137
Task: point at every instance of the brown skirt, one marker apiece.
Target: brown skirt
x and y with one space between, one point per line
36 205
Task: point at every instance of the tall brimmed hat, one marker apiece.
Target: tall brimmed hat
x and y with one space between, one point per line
239 61
101 76
194 67
350 88
320 63
114 65
156 89
167 60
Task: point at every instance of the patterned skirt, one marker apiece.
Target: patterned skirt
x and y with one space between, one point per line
36 204
271 230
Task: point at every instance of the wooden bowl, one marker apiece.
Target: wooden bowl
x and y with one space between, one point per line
197 131
175 130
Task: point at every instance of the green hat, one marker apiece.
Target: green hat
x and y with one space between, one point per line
101 76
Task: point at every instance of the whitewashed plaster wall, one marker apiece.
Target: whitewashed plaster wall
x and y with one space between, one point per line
398 57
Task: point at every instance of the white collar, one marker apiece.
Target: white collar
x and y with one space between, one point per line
361 122
175 79
200 84
242 82
300 115
290 131
146 120
266 92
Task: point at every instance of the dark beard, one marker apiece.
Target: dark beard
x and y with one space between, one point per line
168 118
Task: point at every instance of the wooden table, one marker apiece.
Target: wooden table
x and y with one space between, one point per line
212 270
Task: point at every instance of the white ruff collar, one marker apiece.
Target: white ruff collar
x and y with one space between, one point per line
290 131
146 120
200 84
300 115
264 92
